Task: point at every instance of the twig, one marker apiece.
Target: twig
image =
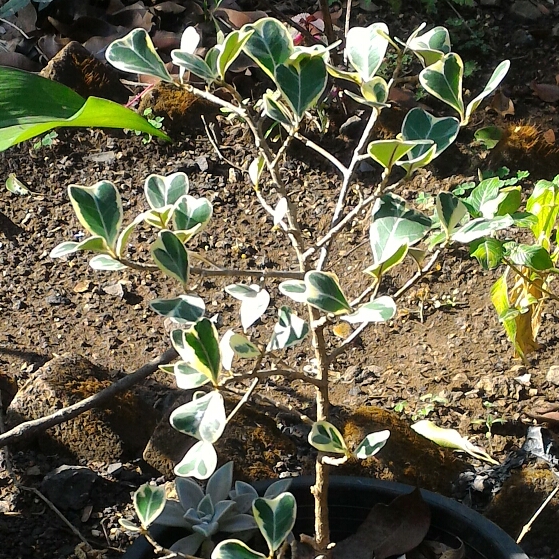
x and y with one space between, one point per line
528 526
347 23
419 274
244 399
65 414
213 141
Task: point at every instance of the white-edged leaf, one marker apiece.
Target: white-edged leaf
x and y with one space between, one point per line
171 257
380 309
366 47
187 377
325 437
255 170
294 289
199 462
182 309
254 302
149 502
289 330
280 210
275 518
323 291
106 263
235 549
371 444
162 191
243 347
480 227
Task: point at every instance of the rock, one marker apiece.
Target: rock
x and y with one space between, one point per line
524 10
119 431
252 440
68 487
553 375
76 68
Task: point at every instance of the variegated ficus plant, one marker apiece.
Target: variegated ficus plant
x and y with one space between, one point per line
310 298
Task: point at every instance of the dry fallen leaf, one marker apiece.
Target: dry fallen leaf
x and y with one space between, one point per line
546 91
549 136
502 104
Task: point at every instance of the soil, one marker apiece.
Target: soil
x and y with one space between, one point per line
445 342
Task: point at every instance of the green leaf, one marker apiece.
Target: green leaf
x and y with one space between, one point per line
443 80
388 152
450 211
199 346
500 299
489 136
269 45
380 309
494 81
235 549
192 214
15 186
254 302
289 330
420 125
275 518
106 263
344 75
508 201
182 309
187 377
394 226
149 502
243 348
202 418
544 204
95 244
294 289
379 269
301 81
162 191
325 437
230 49
171 257
431 46
531 256
136 54
371 444
323 291
366 47
199 462
484 197
480 227
193 63
488 252
99 209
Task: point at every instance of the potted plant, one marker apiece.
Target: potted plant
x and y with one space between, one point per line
299 84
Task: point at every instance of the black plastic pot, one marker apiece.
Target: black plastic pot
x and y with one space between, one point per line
350 500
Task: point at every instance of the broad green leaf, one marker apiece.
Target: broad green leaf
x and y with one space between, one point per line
489 136
301 81
289 330
431 46
480 227
531 256
379 269
187 61
199 347
243 348
182 309
450 438
371 444
508 201
269 45
483 198
276 110
230 49
188 377
94 112
366 47
443 80
171 257
420 125
544 204
494 81
202 418
106 263
388 152
325 437
393 226
162 191
199 462
294 289
15 186
488 252
235 549
380 309
254 302
324 292
450 211
192 214
149 502
275 518
99 209
136 54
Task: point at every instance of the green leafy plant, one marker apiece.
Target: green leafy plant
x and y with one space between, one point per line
155 121
489 420
310 296
46 141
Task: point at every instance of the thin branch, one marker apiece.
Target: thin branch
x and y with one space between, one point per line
289 374
321 151
419 274
347 23
244 399
65 414
528 526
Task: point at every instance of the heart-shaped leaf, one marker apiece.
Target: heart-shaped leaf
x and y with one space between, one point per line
243 348
149 502
202 418
136 54
192 213
235 549
450 211
275 518
431 46
254 302
199 462
443 80
171 257
325 437
388 152
276 109
230 49
380 309
181 309
162 191
301 80
488 252
289 330
187 377
323 291
366 47
371 444
99 209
